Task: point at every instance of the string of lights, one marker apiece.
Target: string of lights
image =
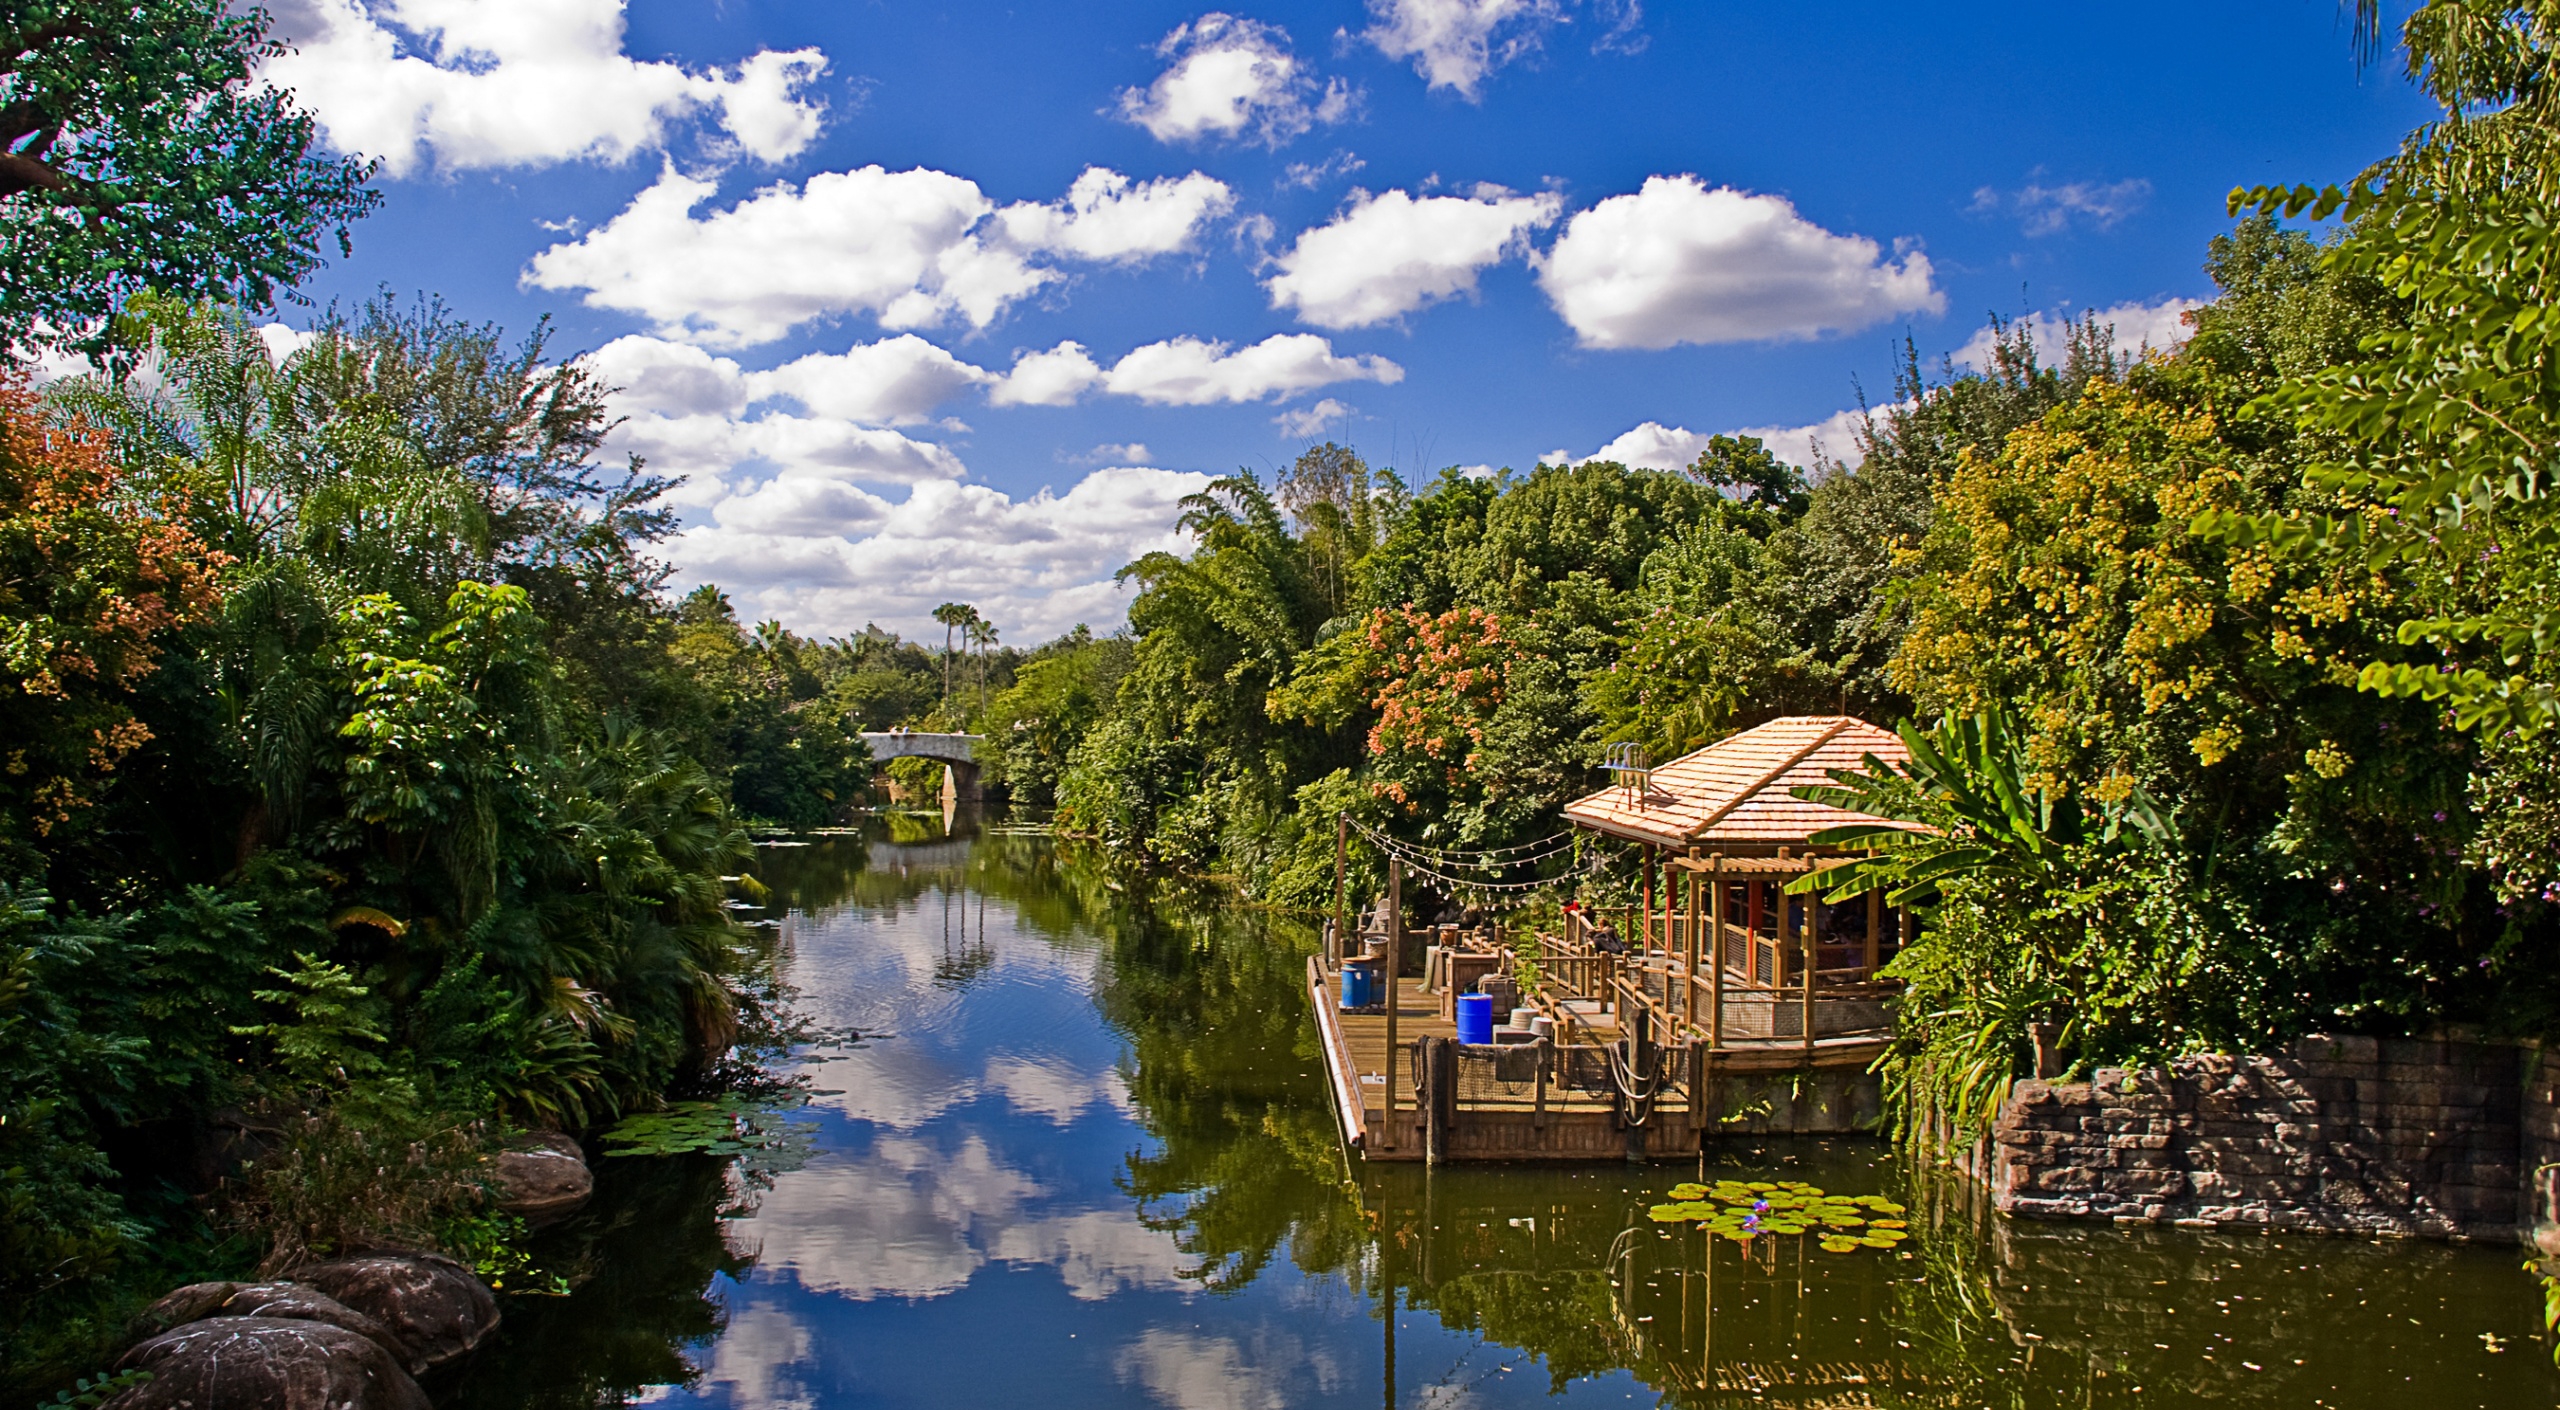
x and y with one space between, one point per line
1460 856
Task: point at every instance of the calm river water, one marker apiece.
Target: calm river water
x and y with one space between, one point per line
1082 1157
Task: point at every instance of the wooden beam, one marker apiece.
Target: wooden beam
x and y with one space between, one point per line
1785 868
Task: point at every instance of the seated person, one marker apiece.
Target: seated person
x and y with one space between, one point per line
1605 940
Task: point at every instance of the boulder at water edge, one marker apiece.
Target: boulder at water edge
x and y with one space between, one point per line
543 1176
274 1363
433 1305
290 1302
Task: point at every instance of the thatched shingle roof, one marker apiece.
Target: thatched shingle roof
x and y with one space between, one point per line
1734 795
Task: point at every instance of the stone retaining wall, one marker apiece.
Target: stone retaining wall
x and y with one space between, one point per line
2439 1138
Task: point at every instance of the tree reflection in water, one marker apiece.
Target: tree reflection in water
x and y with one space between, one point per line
1517 1283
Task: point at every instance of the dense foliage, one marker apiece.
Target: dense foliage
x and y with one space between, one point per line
2281 594
137 154
365 797
366 791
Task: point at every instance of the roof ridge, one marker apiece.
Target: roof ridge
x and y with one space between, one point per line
1829 732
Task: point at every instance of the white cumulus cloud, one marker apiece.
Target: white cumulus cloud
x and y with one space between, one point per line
1308 422
828 561
894 382
507 83
1649 446
1229 76
1106 217
1834 438
1187 371
1654 446
1455 43
913 249
1391 254
1052 377
2139 327
1679 262
688 413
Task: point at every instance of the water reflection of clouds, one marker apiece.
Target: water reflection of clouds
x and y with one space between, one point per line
1098 1253
914 1220
1193 1371
903 1086
894 1223
894 1084
878 971
1056 1090
755 1359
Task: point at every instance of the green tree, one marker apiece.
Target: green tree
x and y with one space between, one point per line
2050 920
137 153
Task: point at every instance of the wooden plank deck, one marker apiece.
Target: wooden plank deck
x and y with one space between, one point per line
1750 1088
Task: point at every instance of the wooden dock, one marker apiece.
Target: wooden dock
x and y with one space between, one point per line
1577 1098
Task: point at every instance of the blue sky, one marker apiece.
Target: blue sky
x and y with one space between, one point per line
955 301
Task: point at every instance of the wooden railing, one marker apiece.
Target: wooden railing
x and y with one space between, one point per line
1718 1005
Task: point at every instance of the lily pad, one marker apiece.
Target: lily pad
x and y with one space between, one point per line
728 1127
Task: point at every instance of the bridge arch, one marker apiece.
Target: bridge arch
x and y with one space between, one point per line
958 753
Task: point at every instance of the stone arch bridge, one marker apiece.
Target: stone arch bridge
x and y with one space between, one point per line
956 751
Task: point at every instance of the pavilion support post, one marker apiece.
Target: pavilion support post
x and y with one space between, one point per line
1394 989
1875 933
1751 926
1715 967
1689 975
1670 922
1644 916
1812 965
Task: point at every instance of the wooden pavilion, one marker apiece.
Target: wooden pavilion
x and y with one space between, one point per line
1719 1005
1722 833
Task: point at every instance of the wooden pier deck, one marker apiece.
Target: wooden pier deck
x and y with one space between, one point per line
1566 1110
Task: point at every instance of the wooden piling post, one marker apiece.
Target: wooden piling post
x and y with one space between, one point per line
1439 1096
1538 1114
1395 996
1341 886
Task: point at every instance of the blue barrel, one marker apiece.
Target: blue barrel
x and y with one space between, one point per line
1475 1018
1359 985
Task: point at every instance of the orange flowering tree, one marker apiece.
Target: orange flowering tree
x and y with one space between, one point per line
93 579
1436 682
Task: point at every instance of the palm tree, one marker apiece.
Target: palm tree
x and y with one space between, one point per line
981 634
953 616
1969 803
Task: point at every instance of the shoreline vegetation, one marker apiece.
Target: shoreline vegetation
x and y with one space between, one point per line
367 796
